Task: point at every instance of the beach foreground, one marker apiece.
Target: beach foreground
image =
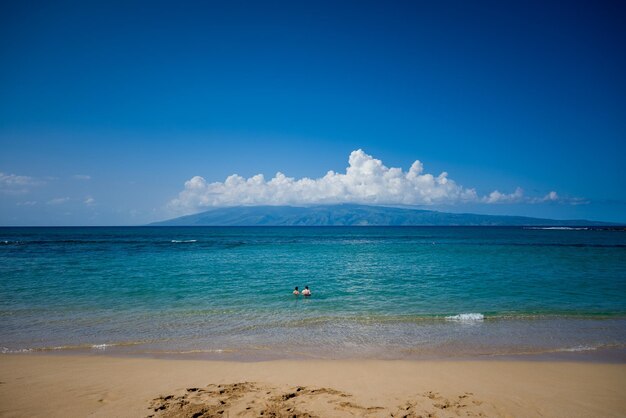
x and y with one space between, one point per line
101 386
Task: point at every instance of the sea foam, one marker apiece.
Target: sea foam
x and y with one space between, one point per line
579 348
466 317
100 346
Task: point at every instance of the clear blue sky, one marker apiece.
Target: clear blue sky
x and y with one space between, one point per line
107 108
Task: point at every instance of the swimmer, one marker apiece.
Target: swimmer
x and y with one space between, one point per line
306 291
296 291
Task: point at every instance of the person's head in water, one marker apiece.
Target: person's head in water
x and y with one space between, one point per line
296 291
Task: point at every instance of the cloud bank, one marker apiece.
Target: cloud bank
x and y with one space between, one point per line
366 181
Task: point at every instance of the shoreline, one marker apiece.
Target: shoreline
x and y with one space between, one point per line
105 385
608 354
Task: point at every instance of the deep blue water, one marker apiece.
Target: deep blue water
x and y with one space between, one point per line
387 292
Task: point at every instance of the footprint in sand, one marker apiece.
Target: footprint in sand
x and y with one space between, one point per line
257 400
249 399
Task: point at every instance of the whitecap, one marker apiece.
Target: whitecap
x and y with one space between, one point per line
178 241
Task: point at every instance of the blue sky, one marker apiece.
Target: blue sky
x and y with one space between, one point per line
108 108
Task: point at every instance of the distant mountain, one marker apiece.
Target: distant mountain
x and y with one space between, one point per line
354 215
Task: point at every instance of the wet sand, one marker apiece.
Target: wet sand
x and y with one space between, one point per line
103 386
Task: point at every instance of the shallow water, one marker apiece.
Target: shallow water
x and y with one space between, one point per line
381 292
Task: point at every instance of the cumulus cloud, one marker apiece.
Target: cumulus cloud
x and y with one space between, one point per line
519 197
497 197
366 180
551 197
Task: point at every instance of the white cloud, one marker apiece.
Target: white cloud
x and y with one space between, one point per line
82 177
14 184
519 197
497 197
550 197
89 201
366 180
27 203
12 180
58 200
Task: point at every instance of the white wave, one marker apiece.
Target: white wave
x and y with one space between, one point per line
196 351
466 317
6 350
579 348
557 228
100 346
184 240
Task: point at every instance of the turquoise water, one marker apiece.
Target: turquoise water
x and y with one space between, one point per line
382 292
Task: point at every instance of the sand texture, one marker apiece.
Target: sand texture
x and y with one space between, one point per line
261 400
102 386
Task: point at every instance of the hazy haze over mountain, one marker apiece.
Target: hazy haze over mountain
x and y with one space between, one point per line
353 215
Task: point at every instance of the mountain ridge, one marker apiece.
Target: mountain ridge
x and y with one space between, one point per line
356 215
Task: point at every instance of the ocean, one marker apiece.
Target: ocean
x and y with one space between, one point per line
377 292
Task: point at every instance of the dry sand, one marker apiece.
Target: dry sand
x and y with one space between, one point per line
101 386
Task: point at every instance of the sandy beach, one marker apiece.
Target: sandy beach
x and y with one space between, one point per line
103 386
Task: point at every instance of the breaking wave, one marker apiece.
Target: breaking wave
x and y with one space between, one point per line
466 317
